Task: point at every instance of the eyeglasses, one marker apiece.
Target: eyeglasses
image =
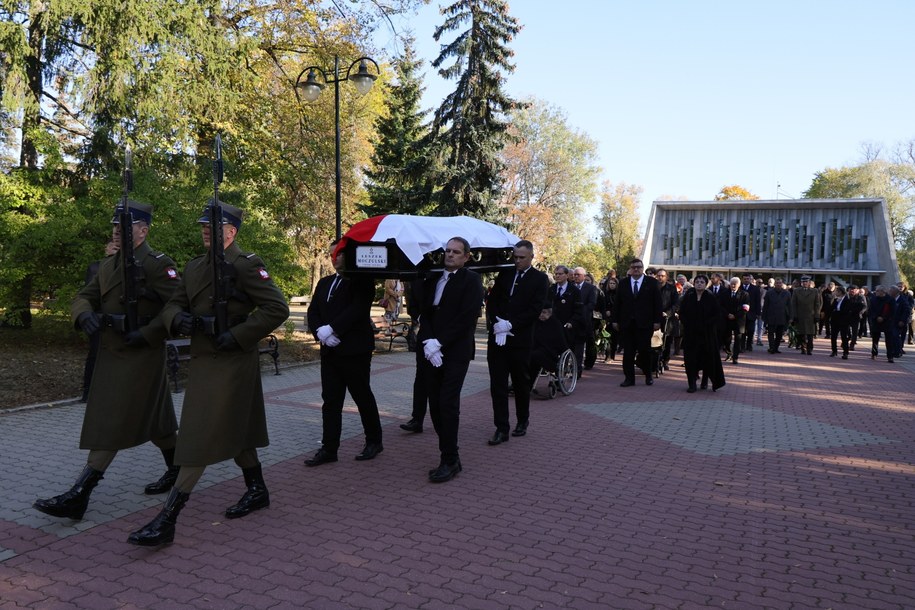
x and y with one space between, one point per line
636 266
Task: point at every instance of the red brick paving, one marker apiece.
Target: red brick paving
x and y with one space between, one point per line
582 513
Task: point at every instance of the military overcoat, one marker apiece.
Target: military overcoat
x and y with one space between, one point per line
806 304
129 402
223 410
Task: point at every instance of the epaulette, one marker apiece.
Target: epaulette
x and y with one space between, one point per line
157 255
249 256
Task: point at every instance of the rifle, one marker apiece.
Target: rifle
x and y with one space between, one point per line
221 278
129 267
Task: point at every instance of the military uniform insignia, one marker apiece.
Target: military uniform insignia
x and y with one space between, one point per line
264 274
172 273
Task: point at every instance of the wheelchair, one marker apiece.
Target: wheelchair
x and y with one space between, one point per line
563 379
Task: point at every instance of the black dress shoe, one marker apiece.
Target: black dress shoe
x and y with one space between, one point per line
649 380
691 389
445 472
369 451
323 456
627 383
498 438
844 356
520 429
413 425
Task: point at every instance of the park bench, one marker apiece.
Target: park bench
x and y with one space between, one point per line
398 330
179 350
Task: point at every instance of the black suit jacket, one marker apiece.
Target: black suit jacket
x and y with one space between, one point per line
454 321
733 305
842 313
752 291
567 308
588 304
642 310
348 312
521 307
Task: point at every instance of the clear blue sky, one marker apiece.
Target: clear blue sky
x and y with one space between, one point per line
684 97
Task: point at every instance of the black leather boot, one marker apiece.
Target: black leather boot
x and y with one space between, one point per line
167 480
161 530
72 504
255 498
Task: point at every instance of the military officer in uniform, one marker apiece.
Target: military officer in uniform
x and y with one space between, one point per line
129 402
223 415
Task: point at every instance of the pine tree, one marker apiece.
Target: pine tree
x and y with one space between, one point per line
397 181
470 126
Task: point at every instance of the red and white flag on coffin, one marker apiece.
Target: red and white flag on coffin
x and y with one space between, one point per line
419 235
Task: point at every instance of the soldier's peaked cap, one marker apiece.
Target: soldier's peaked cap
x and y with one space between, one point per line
138 212
230 214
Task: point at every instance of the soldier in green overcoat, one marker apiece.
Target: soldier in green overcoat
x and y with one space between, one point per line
129 402
806 309
223 415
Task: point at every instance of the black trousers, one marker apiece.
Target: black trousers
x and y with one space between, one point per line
634 341
734 342
776 332
443 386
420 394
834 332
339 374
505 362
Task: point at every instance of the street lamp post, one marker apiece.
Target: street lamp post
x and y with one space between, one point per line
311 89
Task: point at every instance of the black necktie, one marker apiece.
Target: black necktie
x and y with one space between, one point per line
635 287
518 277
334 286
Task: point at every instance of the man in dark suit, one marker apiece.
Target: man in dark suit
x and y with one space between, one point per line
839 315
340 318
586 328
517 297
420 399
566 299
636 317
902 310
736 306
452 301
749 286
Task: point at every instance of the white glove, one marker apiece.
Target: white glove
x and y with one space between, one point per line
501 326
431 346
332 341
324 332
436 359
500 338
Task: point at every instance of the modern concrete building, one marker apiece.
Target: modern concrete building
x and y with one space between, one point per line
848 241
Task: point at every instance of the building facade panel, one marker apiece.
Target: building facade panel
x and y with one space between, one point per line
826 237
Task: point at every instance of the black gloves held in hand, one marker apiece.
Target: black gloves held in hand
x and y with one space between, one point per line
89 322
226 342
183 324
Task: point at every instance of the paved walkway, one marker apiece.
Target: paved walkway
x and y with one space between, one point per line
791 487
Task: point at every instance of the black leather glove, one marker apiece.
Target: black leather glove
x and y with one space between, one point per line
135 339
183 324
226 342
89 322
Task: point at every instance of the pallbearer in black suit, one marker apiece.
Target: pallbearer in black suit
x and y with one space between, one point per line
340 317
514 304
636 317
452 301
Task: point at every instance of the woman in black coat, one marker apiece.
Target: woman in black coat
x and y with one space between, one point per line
699 316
